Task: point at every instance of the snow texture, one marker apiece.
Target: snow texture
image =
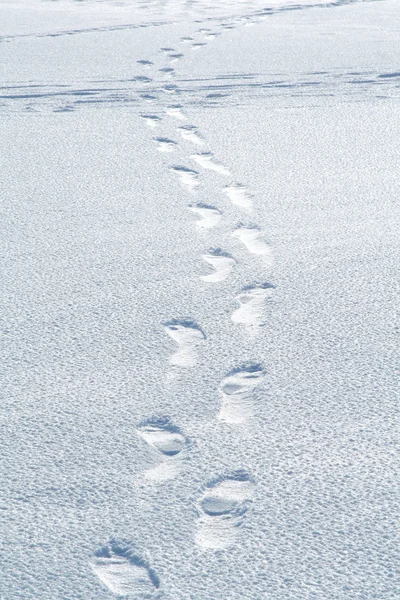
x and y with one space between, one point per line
200 249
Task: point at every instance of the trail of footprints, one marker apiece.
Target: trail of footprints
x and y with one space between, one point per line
224 501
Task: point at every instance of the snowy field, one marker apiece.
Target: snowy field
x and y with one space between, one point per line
200 284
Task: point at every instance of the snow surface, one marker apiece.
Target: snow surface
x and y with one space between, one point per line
200 249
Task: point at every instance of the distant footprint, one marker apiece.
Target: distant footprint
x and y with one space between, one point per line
210 216
123 571
239 196
190 133
175 111
236 390
252 302
167 70
167 444
207 161
186 40
222 262
249 237
175 57
151 120
143 79
188 335
148 97
198 45
165 144
167 50
188 177
144 63
222 510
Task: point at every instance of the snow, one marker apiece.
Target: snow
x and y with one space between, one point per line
200 290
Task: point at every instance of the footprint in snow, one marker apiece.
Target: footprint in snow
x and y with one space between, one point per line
167 50
175 57
207 161
175 110
198 45
239 196
252 300
222 510
210 216
222 263
145 63
151 120
148 98
249 236
188 177
165 144
167 446
236 391
142 79
190 133
186 40
188 335
123 571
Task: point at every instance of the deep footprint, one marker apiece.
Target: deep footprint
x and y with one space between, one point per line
222 510
207 161
210 216
123 571
236 391
222 263
167 445
175 110
188 177
188 335
253 300
249 236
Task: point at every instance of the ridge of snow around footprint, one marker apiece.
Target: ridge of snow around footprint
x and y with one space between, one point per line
239 196
249 236
207 161
222 263
222 510
236 391
167 446
209 215
252 302
188 335
123 571
190 133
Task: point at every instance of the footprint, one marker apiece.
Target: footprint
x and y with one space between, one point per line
190 133
186 40
236 390
188 177
249 237
151 120
210 216
239 196
175 57
207 161
188 335
165 144
211 35
148 97
167 50
198 45
167 444
170 88
222 262
143 79
175 111
167 70
252 305
144 63
123 571
222 510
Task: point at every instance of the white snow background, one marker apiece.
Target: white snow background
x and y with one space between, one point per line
200 287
